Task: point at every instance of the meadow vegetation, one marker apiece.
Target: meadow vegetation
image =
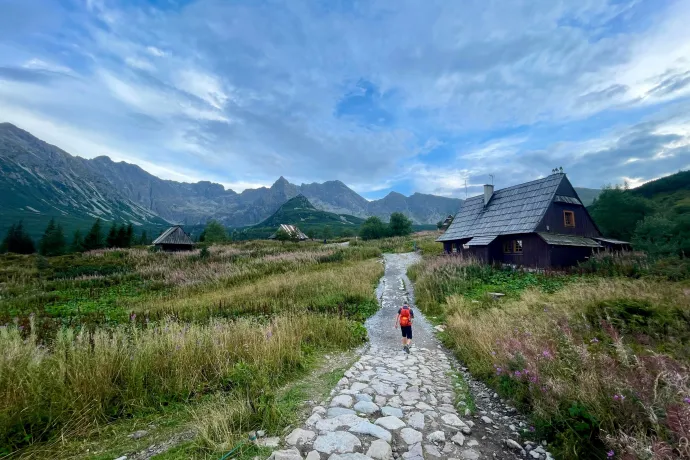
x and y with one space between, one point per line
111 334
599 358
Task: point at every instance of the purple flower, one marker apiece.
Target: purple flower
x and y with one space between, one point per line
493 353
546 354
686 400
533 379
21 328
532 429
498 370
610 453
518 374
594 340
133 316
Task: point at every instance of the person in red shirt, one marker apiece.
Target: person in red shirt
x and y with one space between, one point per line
404 319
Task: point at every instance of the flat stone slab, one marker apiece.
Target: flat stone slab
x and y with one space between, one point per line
372 430
353 456
300 437
380 450
391 423
416 420
332 424
453 420
410 436
366 407
388 410
342 401
336 411
338 442
288 454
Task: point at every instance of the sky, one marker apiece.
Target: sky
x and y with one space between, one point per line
410 96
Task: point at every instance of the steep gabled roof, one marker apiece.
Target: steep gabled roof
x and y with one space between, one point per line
290 230
174 235
517 209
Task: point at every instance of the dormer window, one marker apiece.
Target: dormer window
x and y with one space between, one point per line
569 218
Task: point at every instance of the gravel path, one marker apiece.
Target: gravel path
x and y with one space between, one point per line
394 405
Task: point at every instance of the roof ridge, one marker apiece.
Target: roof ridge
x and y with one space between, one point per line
519 185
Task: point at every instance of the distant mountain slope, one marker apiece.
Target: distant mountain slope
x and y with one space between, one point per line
587 195
300 212
39 181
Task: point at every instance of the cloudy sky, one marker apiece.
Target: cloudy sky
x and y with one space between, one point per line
402 95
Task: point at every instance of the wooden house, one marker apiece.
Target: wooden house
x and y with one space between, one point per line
540 224
446 223
174 239
291 230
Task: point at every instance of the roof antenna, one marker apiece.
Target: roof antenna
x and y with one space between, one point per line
465 188
492 178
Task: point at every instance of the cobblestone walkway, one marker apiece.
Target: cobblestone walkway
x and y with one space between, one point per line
394 405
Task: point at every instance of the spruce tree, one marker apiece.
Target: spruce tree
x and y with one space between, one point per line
77 242
111 239
94 239
121 239
53 240
129 236
17 241
144 239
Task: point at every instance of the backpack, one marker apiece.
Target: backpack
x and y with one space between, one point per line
405 316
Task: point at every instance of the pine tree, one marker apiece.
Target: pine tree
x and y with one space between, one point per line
77 243
53 240
94 239
17 241
129 236
121 239
144 239
111 239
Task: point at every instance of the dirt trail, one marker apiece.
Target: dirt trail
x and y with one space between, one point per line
394 405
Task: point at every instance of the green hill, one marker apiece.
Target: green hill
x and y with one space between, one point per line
587 195
655 217
300 212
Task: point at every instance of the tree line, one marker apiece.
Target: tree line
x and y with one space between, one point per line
660 226
374 228
54 242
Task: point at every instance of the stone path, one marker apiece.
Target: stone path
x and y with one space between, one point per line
394 405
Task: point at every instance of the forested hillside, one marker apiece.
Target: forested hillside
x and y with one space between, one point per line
654 217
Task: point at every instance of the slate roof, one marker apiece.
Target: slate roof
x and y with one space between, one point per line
567 199
291 230
556 239
611 241
517 209
174 235
481 240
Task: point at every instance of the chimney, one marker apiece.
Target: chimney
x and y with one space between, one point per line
488 193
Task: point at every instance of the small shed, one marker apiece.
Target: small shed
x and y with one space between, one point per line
174 239
291 230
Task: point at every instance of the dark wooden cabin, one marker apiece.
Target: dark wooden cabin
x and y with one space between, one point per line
174 239
538 224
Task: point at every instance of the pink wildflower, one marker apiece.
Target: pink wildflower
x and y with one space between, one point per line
610 453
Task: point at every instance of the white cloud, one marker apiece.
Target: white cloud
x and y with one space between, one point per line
38 64
156 51
141 64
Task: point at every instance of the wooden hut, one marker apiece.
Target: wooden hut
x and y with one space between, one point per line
174 239
539 224
291 230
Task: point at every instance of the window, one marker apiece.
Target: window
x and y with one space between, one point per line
512 247
569 218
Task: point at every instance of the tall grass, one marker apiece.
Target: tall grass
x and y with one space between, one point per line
87 379
346 290
602 363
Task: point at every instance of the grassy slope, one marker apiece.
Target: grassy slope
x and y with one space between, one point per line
567 347
329 290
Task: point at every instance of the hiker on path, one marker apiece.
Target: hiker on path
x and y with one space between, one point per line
404 319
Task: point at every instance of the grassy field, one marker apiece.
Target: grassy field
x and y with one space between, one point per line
109 337
601 362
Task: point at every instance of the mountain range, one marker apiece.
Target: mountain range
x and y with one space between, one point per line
39 181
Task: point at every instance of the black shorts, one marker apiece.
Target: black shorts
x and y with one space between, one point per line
406 331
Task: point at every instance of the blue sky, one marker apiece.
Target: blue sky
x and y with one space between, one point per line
397 95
